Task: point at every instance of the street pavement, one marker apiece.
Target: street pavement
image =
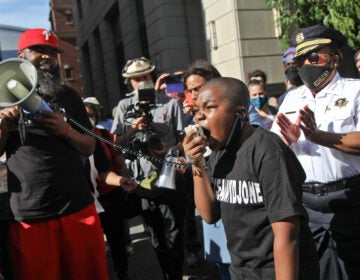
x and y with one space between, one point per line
143 264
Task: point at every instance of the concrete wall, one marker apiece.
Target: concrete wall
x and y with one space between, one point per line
246 38
9 36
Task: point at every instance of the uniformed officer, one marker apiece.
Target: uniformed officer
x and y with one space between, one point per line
320 121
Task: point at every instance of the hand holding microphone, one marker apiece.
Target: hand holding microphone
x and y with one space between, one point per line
195 145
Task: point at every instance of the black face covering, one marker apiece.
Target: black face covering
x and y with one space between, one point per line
314 76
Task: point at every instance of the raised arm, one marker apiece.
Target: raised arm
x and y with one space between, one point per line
345 142
111 178
205 200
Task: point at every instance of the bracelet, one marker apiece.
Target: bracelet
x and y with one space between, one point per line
67 132
199 162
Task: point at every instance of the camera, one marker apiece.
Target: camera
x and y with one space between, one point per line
146 101
146 98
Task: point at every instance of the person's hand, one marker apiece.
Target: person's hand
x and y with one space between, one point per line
9 117
308 124
188 107
127 184
184 165
52 122
160 82
138 124
195 147
290 131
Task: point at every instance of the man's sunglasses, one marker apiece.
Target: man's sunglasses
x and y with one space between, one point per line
314 58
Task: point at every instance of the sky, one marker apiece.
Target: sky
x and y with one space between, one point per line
25 13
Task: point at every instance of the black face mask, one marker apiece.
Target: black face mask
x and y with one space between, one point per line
314 76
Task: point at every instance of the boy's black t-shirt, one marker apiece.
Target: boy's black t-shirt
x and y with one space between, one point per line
259 183
46 175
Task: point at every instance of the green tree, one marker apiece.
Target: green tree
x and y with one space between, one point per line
342 15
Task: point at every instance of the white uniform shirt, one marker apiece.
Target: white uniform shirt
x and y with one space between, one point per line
336 109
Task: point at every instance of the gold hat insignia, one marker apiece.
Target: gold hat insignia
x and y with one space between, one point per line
299 37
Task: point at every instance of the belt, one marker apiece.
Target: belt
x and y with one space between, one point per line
325 188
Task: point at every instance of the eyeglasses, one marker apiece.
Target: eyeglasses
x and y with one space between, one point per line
314 58
195 89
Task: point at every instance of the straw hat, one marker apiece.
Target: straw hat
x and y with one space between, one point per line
137 67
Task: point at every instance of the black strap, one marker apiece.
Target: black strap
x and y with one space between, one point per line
22 127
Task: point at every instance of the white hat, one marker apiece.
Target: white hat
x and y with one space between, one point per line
137 67
92 100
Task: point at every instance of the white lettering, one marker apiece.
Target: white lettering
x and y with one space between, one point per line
231 186
258 193
47 35
245 192
239 198
252 194
238 192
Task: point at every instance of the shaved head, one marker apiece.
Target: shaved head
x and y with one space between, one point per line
234 90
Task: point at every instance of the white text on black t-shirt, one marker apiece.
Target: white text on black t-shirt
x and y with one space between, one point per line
238 192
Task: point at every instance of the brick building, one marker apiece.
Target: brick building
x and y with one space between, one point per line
62 23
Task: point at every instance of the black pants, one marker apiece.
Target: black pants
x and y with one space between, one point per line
334 220
113 223
164 217
5 264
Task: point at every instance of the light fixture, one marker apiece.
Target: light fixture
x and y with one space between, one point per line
213 36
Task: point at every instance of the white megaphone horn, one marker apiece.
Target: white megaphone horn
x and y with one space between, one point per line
18 82
167 176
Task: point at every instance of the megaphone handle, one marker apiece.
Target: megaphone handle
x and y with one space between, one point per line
22 127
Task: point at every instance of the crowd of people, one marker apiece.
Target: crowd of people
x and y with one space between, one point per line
274 179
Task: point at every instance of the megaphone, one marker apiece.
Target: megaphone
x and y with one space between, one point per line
167 175
18 82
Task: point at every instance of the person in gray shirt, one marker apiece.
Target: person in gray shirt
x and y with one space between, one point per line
151 127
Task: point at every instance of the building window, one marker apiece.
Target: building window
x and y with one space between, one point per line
68 72
69 16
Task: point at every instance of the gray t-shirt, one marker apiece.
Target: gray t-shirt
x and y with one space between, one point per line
167 122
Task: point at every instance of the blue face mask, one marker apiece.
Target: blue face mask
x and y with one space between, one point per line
259 102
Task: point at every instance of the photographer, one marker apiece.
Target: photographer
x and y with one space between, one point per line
151 124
